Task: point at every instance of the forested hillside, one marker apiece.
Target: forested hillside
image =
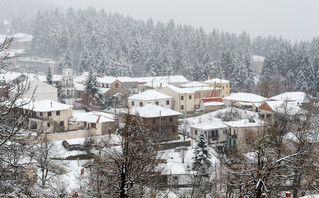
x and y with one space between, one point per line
122 46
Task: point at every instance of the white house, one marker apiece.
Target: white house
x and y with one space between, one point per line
247 100
214 131
98 123
48 116
150 97
299 97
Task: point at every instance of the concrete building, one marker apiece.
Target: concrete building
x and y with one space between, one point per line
215 131
48 116
224 85
150 97
183 98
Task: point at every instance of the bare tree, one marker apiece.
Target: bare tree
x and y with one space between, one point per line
270 163
130 168
15 154
49 168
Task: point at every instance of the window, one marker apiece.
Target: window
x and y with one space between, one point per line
107 85
48 125
182 97
226 86
156 103
170 119
190 97
222 87
141 104
41 114
195 132
132 103
182 107
167 102
62 123
49 113
102 84
174 129
116 85
58 113
154 121
93 125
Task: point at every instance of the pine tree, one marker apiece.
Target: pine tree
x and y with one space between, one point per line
49 77
305 77
65 61
93 94
202 162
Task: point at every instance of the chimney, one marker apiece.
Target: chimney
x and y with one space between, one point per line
51 104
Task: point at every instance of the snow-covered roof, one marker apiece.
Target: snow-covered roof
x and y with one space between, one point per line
36 59
93 117
152 111
245 97
217 80
150 95
291 96
79 86
9 76
209 125
196 89
194 84
291 108
207 104
163 79
244 123
180 90
46 106
156 84
21 37
257 58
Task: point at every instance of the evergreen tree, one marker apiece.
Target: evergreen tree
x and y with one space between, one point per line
93 94
305 77
65 61
196 71
202 162
49 77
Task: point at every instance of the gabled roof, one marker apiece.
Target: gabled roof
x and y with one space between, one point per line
93 117
290 96
194 84
150 95
216 80
45 106
291 108
245 97
153 111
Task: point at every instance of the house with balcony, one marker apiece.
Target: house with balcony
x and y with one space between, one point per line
150 97
235 132
214 130
48 116
162 121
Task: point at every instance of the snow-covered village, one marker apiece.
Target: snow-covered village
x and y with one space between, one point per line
96 101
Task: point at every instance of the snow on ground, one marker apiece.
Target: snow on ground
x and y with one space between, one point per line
310 196
174 163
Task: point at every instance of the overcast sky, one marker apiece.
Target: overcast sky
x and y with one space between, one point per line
292 19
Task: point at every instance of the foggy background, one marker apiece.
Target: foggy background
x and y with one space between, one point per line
292 19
